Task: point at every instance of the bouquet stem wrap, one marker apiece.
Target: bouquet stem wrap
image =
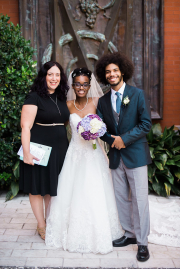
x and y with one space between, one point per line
94 144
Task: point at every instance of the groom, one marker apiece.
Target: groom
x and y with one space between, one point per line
126 112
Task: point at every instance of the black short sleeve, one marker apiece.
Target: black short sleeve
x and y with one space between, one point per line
31 99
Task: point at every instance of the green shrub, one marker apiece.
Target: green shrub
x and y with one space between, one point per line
164 172
16 75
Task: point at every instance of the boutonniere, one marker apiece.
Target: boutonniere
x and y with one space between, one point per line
126 101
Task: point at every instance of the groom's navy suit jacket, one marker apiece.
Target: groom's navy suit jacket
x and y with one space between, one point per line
134 123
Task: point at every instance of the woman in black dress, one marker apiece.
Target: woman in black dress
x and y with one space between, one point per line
42 121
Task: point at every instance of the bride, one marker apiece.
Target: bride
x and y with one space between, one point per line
83 216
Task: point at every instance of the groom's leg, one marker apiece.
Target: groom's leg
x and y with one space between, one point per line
123 199
138 180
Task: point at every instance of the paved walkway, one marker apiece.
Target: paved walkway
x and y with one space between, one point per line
20 245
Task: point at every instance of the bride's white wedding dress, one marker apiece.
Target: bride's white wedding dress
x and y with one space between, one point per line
83 216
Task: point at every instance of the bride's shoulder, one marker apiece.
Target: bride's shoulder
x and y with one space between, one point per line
69 103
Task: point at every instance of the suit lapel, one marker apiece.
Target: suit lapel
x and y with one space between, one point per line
109 108
123 108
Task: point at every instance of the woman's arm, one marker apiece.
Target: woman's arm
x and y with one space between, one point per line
27 119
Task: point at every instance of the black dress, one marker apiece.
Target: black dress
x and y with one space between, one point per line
39 179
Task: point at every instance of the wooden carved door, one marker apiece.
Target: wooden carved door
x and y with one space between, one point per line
77 32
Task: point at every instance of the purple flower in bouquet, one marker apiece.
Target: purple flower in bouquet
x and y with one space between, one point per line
88 136
85 123
91 127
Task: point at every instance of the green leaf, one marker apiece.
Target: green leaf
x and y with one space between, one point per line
159 165
168 141
170 162
5 176
175 190
167 188
14 188
158 148
176 149
16 169
166 173
156 179
171 128
151 152
176 171
150 136
169 177
9 195
150 188
156 129
169 153
159 188
163 158
151 171
164 134
176 158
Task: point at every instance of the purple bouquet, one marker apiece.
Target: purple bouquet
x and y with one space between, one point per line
91 127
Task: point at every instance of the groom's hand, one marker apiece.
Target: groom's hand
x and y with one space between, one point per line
118 142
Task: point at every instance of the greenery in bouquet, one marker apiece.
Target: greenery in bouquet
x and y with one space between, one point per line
17 71
164 172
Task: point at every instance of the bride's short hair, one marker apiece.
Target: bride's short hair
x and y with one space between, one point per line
81 72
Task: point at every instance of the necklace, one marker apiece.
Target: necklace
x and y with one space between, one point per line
83 107
56 104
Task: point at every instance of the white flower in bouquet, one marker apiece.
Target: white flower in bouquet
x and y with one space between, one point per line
81 130
95 125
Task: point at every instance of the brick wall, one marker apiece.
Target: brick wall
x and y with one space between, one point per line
11 8
171 114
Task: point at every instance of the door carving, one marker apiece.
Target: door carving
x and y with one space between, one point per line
77 33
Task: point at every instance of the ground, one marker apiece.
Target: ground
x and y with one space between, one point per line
21 246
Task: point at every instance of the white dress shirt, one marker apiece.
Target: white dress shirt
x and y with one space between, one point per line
114 96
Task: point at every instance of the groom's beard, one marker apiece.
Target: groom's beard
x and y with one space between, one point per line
116 84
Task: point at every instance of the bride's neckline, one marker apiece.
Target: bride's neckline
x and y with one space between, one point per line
84 116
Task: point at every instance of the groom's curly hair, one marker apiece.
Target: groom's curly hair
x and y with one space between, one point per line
125 66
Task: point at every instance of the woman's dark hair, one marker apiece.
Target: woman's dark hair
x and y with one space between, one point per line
125 66
81 72
40 85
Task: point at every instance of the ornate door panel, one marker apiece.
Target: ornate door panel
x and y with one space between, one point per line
77 32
